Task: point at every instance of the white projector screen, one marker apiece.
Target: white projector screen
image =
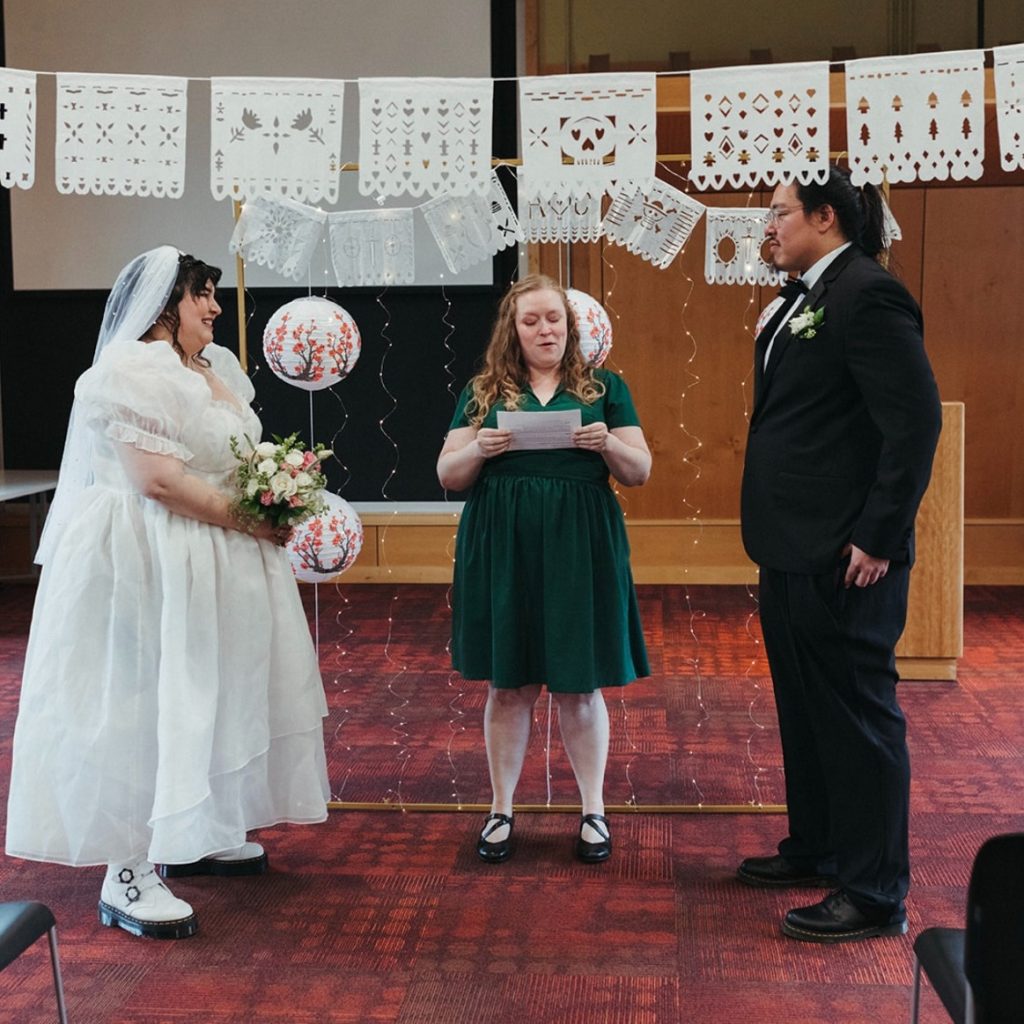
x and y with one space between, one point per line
71 241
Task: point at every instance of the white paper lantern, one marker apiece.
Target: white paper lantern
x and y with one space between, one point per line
594 326
327 544
311 342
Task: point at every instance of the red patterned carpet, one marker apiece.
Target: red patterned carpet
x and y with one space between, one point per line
386 916
407 730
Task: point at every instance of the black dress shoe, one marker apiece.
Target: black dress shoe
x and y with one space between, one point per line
594 853
489 850
836 919
777 873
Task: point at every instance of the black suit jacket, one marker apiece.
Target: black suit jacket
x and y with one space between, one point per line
844 426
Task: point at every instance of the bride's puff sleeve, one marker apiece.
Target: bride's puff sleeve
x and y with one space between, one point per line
140 394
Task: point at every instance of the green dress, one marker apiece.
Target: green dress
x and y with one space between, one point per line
543 589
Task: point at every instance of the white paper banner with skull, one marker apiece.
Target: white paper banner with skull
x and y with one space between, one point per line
733 249
425 136
121 135
655 223
1008 71
916 118
759 124
278 233
17 128
275 136
471 229
372 247
586 134
562 220
891 230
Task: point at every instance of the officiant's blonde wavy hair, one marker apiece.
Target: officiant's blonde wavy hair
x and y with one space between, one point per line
505 376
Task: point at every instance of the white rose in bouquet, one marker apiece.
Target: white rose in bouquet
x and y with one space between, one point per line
282 485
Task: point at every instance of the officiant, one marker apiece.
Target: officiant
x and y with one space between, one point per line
543 592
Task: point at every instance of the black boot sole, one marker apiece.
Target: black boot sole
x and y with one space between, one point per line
855 935
212 866
183 928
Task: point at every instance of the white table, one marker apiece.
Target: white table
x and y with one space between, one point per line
36 485
21 483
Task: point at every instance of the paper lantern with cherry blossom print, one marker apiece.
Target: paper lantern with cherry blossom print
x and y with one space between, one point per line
328 543
311 342
594 326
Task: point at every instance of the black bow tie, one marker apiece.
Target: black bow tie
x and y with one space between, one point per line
792 288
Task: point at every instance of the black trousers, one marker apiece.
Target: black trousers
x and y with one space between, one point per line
831 653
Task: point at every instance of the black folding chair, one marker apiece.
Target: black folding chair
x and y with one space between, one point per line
978 971
20 925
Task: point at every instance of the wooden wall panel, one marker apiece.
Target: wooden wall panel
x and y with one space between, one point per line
974 321
933 639
994 551
680 551
907 206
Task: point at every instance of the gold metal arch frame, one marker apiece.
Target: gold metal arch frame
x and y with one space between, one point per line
350 805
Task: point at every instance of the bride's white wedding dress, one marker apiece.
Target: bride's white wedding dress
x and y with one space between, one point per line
171 698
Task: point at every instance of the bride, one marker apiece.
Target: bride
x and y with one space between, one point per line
171 699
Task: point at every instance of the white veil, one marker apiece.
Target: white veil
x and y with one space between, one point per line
138 297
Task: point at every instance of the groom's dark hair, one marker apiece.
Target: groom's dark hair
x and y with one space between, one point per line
858 210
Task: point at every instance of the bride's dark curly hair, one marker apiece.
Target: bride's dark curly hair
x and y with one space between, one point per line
193 277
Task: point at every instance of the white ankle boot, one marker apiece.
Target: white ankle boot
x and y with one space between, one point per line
247 851
134 898
247 859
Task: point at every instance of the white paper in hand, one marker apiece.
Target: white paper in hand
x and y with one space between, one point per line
539 430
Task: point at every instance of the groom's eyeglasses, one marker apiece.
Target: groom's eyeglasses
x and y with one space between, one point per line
776 213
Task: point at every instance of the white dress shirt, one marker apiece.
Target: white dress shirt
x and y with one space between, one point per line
809 278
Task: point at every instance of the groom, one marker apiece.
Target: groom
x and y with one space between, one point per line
844 427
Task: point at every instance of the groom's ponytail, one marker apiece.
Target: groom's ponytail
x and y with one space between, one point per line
858 210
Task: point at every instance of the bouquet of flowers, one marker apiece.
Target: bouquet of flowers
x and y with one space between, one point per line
279 480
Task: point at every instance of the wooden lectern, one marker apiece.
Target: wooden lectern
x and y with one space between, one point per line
934 637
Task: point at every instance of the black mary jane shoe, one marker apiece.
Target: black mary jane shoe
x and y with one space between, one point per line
490 851
594 853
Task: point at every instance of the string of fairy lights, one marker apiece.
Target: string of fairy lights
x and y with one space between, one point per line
760 772
609 282
456 720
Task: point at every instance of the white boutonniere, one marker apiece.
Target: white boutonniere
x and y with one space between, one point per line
806 323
